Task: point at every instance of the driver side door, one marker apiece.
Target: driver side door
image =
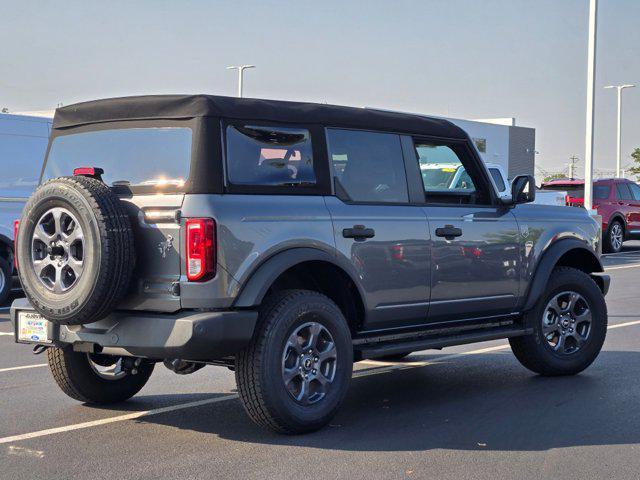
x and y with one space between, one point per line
475 241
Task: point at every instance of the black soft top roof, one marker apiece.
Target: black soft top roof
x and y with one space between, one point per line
154 107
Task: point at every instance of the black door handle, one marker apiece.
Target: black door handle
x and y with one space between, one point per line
359 232
449 232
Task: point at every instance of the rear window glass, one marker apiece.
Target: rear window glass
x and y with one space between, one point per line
574 191
130 156
273 156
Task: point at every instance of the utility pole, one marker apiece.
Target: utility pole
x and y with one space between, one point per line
591 94
572 166
241 69
619 88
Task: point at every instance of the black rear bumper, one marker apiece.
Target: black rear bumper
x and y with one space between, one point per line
186 335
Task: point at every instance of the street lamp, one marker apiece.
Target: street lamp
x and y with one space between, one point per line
591 93
619 88
241 69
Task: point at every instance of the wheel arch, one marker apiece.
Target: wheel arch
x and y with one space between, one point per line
568 253
618 216
309 268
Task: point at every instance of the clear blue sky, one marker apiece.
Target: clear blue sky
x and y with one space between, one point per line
462 58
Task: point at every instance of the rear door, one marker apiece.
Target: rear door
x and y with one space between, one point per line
385 238
625 202
475 245
147 166
634 208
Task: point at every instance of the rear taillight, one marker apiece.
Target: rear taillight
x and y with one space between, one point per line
201 249
16 227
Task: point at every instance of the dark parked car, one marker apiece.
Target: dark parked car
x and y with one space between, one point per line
617 201
285 241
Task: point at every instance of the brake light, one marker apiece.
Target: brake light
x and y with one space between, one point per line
201 251
88 172
84 171
16 227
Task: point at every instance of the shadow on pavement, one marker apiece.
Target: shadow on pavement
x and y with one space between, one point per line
479 402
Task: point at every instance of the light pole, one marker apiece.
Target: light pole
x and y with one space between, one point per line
241 69
619 88
591 93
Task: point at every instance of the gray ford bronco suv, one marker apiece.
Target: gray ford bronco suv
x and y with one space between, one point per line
286 241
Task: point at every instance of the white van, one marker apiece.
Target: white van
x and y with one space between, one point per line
23 143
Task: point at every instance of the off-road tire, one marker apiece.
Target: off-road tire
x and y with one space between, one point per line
76 378
607 243
258 367
108 251
533 352
5 288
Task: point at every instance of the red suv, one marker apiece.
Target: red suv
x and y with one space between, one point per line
617 201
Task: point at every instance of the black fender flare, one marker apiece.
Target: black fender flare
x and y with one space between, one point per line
261 279
548 262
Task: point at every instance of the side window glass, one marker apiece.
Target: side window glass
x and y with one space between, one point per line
623 192
368 165
635 191
601 191
275 156
442 170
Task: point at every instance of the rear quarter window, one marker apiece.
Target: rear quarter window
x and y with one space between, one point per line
601 191
269 156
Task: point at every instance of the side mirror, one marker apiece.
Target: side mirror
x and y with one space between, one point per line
523 189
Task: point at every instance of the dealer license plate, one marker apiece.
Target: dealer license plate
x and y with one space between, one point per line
33 327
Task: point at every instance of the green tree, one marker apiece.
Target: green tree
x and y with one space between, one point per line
635 169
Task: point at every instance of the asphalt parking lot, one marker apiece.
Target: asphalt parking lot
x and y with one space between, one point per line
464 412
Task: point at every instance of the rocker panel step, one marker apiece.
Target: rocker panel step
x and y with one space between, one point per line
391 348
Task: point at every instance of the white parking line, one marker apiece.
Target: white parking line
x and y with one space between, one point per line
635 265
23 367
7 333
626 324
198 403
120 418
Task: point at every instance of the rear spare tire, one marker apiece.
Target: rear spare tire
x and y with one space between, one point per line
75 250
